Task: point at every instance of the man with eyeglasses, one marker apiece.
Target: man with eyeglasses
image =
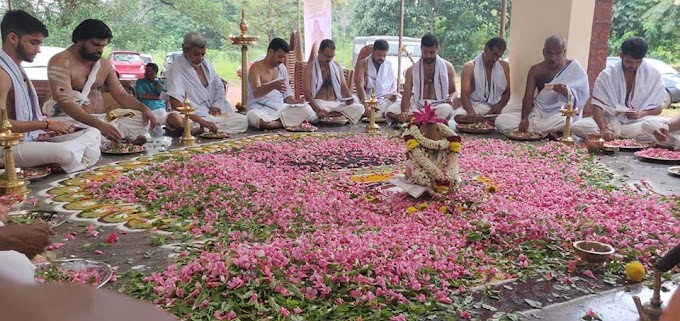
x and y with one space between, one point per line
77 77
485 84
325 87
625 97
190 74
555 78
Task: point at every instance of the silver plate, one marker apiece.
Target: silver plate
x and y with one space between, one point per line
52 218
81 264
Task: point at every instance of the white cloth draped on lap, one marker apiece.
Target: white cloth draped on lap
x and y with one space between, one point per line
610 90
549 102
271 106
353 112
486 93
441 81
26 106
80 98
16 267
317 78
73 152
183 80
651 125
383 80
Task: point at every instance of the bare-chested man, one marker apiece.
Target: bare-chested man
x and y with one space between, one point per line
375 73
22 35
485 84
430 79
555 77
270 99
325 87
77 76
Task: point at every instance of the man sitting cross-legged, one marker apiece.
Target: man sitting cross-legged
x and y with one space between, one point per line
77 76
555 77
270 99
431 78
325 87
485 84
375 73
625 96
22 35
192 75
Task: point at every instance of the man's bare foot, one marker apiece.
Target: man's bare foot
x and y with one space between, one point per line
553 136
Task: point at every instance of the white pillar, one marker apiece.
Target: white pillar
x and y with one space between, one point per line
532 21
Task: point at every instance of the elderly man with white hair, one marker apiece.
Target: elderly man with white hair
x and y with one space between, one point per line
193 76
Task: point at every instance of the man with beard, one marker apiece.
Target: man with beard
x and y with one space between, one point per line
270 100
193 76
22 35
77 76
376 73
555 77
626 95
431 79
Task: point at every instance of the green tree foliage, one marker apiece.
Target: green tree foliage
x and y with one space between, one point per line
463 27
656 20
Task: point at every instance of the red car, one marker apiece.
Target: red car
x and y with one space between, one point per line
128 64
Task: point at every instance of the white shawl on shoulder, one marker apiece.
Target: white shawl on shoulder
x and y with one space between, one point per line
26 106
441 81
610 90
317 78
183 79
383 80
549 102
484 93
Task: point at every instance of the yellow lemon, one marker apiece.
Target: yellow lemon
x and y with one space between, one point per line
422 206
635 271
443 209
411 210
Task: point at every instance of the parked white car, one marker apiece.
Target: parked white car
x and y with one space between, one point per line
37 70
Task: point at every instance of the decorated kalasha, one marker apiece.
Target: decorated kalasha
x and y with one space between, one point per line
432 149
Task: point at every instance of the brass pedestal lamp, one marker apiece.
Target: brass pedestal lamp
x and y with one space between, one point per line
187 139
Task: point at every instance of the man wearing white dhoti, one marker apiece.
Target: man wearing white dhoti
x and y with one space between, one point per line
18 244
270 99
485 84
664 132
325 87
625 96
192 75
430 79
22 36
375 73
77 76
555 78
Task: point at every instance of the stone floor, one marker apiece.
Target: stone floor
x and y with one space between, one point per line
615 304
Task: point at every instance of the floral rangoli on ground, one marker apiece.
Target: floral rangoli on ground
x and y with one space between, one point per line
299 226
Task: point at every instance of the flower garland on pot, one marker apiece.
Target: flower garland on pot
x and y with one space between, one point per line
425 171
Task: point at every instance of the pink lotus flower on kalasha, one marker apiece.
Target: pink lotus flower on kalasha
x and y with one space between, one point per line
293 235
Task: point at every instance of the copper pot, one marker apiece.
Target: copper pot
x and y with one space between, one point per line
594 143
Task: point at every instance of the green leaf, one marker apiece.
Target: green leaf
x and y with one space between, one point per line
533 303
489 307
